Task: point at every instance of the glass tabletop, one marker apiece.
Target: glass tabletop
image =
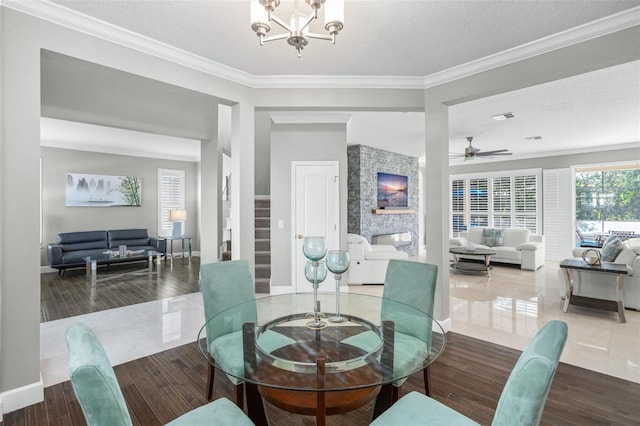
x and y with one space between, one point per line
378 343
115 255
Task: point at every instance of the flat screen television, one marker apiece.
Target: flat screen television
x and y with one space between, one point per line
392 191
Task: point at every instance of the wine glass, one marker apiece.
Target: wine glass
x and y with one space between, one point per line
338 263
314 248
315 272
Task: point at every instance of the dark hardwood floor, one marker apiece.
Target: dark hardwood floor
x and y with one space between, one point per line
70 295
468 377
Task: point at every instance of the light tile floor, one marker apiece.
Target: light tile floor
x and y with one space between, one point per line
506 309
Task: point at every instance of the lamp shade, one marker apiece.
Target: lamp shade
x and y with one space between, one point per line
334 12
177 215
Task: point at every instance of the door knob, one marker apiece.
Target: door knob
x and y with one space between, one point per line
300 236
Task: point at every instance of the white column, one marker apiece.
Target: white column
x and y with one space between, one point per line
209 195
242 183
436 200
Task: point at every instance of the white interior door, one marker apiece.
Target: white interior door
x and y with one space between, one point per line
315 205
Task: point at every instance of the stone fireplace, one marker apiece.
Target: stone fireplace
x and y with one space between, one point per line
363 217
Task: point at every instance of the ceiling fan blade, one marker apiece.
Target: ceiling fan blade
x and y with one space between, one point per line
495 152
456 155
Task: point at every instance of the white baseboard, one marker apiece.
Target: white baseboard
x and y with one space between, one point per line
47 269
21 397
445 324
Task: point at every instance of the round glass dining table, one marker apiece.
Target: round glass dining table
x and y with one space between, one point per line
336 368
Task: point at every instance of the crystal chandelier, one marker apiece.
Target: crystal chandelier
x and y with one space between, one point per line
297 35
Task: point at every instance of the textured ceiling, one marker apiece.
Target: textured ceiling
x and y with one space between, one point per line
381 37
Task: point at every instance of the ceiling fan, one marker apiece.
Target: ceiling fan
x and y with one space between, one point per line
470 152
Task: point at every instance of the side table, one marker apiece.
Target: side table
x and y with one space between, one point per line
605 267
169 241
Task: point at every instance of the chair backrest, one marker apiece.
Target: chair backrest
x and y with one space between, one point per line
93 379
225 285
580 236
413 284
525 393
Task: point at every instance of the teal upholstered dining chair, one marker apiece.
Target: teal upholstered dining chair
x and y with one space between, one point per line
413 284
229 287
98 392
521 402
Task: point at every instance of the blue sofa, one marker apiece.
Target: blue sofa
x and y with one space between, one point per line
72 247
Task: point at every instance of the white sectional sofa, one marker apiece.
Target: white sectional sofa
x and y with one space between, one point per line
519 246
602 285
368 263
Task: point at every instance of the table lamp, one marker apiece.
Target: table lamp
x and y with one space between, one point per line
177 217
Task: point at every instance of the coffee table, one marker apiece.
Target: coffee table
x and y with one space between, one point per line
323 372
605 267
110 257
472 267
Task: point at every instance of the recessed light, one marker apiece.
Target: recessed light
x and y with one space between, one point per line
504 116
533 138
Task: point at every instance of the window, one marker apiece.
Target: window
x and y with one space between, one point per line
170 197
502 200
607 198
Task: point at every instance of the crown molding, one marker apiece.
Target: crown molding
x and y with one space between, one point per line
337 82
607 25
68 18
309 118
77 21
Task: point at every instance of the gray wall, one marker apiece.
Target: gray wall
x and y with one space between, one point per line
300 142
56 217
364 164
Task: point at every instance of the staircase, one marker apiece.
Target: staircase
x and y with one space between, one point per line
263 244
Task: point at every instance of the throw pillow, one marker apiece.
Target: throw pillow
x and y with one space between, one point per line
611 248
492 237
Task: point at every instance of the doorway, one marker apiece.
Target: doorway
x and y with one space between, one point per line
315 211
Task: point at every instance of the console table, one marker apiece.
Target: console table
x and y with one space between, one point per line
605 267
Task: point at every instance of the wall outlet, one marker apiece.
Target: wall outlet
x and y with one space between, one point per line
281 224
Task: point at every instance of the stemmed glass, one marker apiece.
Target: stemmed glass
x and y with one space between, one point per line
314 249
337 263
315 275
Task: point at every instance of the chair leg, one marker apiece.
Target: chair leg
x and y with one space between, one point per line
238 395
395 395
427 381
212 372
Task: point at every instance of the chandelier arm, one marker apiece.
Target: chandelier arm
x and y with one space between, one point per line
276 37
319 36
280 22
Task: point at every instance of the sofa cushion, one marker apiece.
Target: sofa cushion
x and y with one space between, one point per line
505 253
492 237
128 237
78 256
386 255
627 255
611 248
86 240
513 237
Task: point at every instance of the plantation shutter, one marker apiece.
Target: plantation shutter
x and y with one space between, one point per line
526 192
502 202
479 202
171 196
458 210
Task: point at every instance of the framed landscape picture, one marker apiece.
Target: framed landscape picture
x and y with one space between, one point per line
392 191
87 190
